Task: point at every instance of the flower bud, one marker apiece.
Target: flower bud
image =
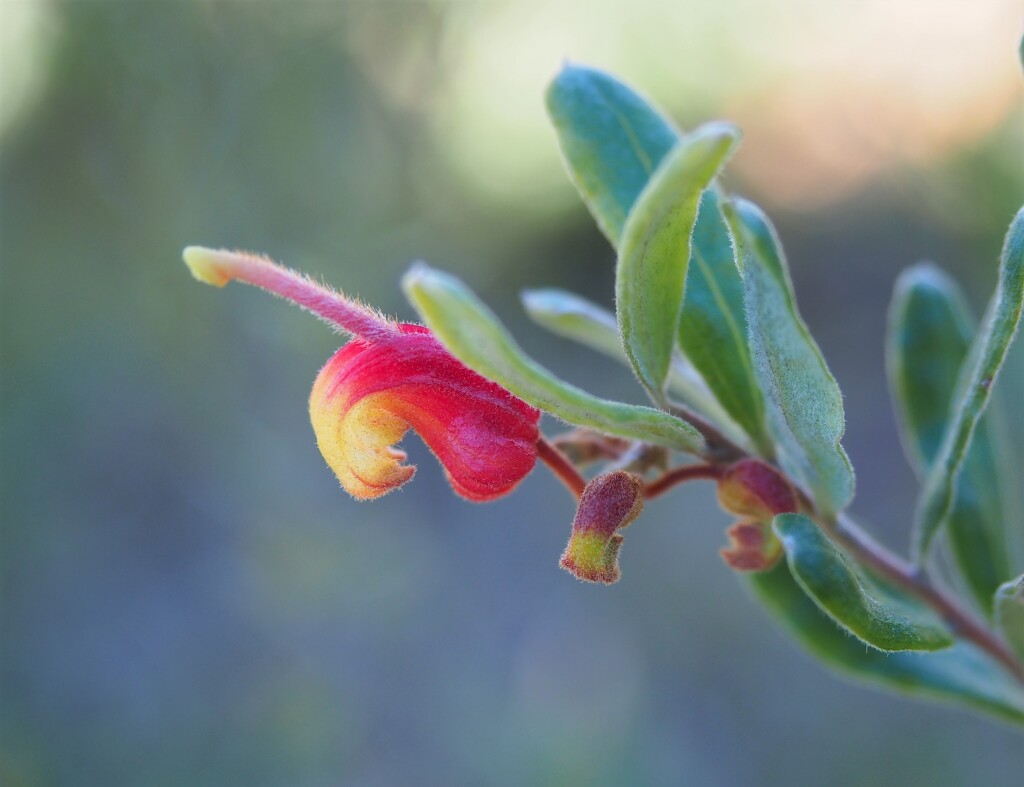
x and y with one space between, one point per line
751 488
752 547
609 502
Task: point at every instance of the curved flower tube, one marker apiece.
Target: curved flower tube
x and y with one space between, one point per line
610 502
369 394
391 377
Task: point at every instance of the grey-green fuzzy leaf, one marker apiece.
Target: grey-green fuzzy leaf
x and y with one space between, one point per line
713 324
803 402
1009 608
574 317
930 332
612 140
881 616
473 334
985 359
962 674
654 252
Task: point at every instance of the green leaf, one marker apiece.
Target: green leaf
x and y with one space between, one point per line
804 403
930 331
713 325
1009 606
962 674
985 359
473 334
612 140
573 317
881 616
655 251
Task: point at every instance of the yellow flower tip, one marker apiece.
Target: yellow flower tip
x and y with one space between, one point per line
357 439
608 504
207 265
592 557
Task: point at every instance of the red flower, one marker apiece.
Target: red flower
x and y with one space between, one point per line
388 378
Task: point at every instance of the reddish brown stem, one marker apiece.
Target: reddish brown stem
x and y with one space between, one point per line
901 573
560 465
843 530
679 475
848 534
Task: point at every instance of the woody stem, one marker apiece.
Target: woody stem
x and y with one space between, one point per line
849 534
851 537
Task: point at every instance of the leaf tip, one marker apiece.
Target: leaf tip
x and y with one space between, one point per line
414 280
568 77
722 134
536 301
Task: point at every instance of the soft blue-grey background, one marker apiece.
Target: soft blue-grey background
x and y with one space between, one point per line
187 595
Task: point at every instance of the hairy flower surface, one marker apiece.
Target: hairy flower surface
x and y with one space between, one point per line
391 377
609 503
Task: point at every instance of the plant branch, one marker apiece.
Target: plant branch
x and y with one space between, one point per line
843 530
679 475
900 572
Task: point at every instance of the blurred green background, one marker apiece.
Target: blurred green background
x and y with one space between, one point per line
187 595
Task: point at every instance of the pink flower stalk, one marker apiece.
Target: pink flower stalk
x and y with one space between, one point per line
391 377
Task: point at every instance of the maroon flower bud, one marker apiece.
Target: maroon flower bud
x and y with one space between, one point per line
755 489
757 492
752 547
609 502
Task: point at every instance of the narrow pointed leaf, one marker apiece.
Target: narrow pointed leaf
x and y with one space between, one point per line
655 251
612 140
885 618
803 402
930 331
473 334
713 325
985 359
1009 606
573 317
962 674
